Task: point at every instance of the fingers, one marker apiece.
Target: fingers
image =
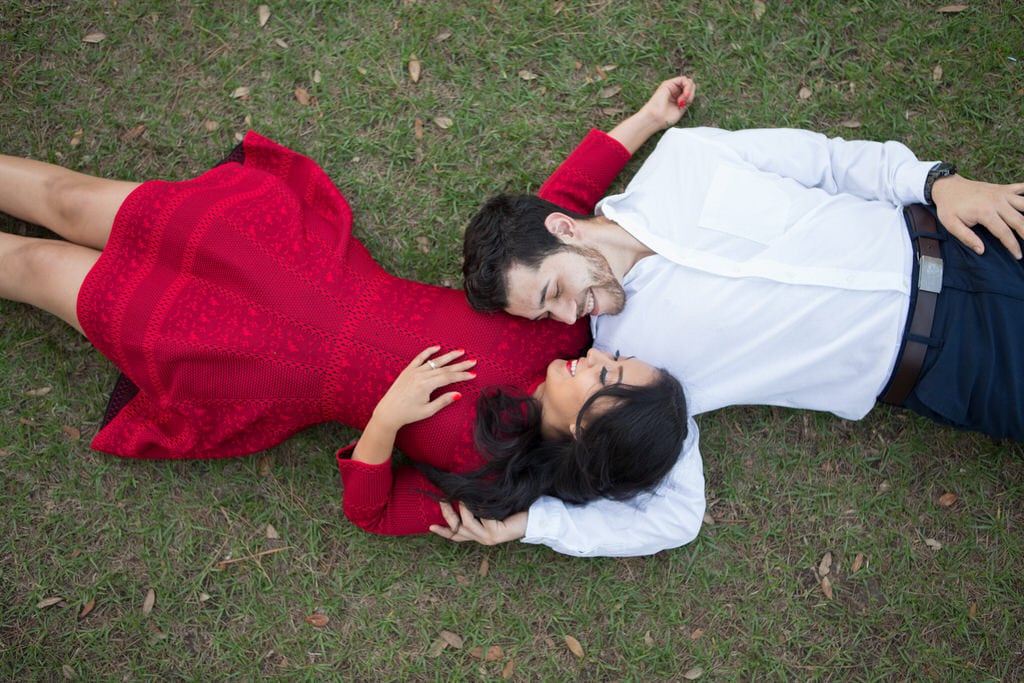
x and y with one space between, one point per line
970 239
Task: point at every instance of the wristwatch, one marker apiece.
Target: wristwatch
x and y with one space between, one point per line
940 170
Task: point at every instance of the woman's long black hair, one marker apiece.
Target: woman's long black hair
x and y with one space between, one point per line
618 451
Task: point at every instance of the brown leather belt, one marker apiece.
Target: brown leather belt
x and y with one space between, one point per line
927 251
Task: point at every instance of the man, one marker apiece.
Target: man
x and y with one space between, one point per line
775 267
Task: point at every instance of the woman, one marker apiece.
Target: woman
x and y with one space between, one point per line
243 311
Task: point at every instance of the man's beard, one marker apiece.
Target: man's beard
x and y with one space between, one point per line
602 279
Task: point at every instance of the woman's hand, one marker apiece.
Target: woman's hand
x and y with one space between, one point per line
408 400
664 109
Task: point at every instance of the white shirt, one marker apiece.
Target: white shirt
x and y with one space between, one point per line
782 277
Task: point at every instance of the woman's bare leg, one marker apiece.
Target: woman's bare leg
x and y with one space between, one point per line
78 207
47 274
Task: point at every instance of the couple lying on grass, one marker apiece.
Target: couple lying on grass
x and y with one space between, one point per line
240 310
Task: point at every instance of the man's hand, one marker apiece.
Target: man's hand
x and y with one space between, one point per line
465 526
962 203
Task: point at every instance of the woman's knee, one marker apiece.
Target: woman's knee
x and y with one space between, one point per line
47 274
83 207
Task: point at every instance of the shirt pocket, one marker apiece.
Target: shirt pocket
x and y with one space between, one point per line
745 203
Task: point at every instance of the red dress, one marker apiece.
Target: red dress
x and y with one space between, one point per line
244 311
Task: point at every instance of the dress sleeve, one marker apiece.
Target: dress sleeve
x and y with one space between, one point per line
389 500
584 177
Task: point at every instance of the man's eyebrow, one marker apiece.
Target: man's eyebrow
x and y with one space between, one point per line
544 294
620 375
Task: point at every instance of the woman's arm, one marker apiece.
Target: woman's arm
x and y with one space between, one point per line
376 498
585 175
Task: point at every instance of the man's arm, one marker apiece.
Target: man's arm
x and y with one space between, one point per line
886 171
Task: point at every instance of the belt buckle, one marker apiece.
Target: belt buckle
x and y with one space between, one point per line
929 275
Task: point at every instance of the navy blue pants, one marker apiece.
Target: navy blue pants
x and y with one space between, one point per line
973 372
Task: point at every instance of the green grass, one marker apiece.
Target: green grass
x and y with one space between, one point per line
743 602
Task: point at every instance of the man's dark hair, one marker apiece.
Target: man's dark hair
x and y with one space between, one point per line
507 230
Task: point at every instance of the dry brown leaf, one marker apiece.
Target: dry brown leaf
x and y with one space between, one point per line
492 654
302 96
73 433
417 128
805 93
648 639
147 604
452 639
94 37
610 91
947 499
858 562
826 587
485 567
76 137
759 8
318 620
67 672
443 36
203 597
933 544
527 75
48 602
240 92
557 8
437 647
134 132
696 633
443 122
510 668
317 76
951 9
825 566
973 611
574 646
281 43
41 391
414 69
708 518
266 465
850 123
423 244
264 14
272 532
694 673
937 73
87 608
612 111
210 125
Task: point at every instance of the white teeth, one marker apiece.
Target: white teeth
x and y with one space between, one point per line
572 367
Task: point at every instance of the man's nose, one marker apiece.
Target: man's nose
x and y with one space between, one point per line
564 311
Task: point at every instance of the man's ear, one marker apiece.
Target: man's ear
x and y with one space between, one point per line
572 430
562 226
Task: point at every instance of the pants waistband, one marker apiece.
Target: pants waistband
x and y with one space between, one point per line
926 283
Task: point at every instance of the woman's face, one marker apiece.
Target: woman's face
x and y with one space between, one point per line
569 383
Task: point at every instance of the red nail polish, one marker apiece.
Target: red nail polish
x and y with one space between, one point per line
456 396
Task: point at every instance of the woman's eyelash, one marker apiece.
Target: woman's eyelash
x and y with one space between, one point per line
616 356
604 374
